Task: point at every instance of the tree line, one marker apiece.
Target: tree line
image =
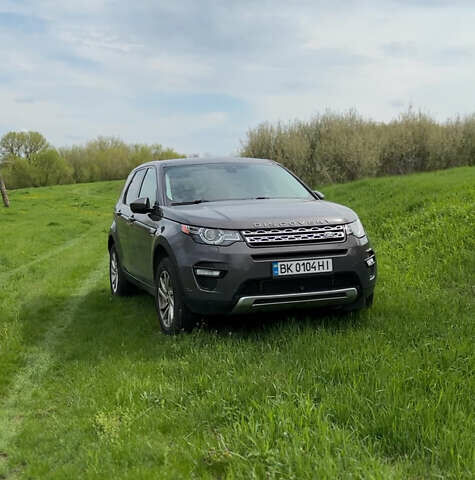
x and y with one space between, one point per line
335 147
328 148
27 159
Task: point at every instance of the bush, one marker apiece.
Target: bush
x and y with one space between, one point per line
28 160
108 158
19 173
44 168
51 168
342 147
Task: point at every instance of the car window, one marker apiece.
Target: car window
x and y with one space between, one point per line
149 186
134 187
231 181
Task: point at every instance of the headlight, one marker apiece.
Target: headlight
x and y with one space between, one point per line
355 228
211 236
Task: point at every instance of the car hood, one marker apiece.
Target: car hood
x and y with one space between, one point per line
248 214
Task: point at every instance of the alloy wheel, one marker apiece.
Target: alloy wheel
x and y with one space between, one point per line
166 299
114 271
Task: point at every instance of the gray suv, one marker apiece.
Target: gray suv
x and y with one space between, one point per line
234 236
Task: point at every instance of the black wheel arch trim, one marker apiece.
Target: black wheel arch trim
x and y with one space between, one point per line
162 244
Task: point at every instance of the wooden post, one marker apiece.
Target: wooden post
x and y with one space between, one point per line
3 191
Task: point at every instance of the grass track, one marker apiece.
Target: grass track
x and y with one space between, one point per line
39 359
90 389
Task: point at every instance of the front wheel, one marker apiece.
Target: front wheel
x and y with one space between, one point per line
361 304
173 314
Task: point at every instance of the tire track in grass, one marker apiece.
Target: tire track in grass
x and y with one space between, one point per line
60 249
38 361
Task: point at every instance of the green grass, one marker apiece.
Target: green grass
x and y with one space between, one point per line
90 389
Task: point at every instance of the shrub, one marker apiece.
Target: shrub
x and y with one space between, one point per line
27 160
342 147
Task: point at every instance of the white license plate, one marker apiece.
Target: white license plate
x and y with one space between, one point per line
300 267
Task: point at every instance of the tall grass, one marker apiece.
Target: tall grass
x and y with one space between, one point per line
333 147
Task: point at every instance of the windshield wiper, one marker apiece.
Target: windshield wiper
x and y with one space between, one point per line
192 202
195 202
251 198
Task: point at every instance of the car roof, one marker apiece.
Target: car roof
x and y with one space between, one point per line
203 161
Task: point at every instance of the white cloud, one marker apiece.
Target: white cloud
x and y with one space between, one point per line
116 68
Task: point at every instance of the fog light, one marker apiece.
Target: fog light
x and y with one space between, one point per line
370 261
205 272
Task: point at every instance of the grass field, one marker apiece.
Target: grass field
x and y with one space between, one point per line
90 389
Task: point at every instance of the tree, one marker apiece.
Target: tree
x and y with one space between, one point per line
22 144
20 149
51 168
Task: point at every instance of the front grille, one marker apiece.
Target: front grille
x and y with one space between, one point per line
313 283
266 237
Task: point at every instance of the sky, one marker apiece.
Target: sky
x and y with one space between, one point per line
196 75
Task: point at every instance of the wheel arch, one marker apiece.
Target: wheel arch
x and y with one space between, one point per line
110 239
110 242
162 250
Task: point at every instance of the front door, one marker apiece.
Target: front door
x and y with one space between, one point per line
125 219
143 231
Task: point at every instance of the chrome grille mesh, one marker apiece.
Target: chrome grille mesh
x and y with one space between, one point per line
317 234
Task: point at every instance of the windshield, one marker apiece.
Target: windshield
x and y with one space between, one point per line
230 181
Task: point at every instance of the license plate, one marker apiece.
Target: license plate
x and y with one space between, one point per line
300 267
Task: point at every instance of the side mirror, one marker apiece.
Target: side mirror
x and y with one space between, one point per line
141 205
320 195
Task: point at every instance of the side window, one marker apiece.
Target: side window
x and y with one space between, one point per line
149 186
134 187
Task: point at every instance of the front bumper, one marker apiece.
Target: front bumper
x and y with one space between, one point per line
247 285
259 303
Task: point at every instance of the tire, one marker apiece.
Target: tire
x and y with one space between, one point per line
173 315
119 284
369 301
361 304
